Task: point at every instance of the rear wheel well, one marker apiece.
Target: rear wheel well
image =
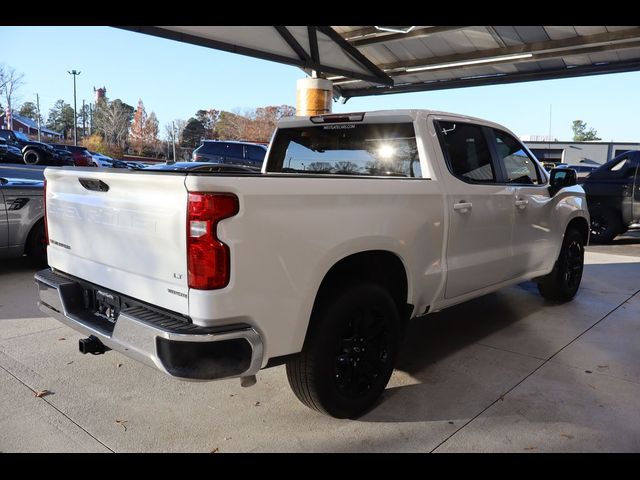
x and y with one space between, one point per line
378 266
581 225
28 243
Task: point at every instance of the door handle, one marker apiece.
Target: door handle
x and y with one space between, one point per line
522 204
462 207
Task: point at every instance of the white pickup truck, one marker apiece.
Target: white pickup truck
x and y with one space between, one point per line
356 224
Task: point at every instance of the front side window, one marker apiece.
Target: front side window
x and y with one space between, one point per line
466 151
519 166
380 149
621 163
21 136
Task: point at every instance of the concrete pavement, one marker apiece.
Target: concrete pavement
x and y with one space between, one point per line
505 372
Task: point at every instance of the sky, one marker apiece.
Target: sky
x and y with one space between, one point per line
175 79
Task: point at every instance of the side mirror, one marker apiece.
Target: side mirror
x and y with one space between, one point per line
560 178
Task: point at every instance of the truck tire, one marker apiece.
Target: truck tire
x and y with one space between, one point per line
33 157
605 224
36 248
564 280
349 352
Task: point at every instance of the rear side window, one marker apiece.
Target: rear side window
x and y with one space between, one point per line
466 151
255 153
381 149
212 148
519 167
234 150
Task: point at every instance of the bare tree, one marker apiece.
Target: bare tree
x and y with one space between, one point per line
113 120
10 81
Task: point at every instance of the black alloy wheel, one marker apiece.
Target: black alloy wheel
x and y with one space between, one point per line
350 350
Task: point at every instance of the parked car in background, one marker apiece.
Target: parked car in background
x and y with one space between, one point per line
136 165
9 153
583 171
80 155
203 167
100 160
236 153
613 196
66 155
33 153
22 219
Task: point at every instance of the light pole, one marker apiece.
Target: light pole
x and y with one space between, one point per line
173 137
75 114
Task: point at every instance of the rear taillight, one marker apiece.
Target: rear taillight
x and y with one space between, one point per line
44 206
208 259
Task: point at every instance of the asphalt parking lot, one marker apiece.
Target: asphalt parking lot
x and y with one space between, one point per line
505 372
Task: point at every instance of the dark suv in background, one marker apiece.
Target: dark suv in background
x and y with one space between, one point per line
80 155
236 153
33 153
613 196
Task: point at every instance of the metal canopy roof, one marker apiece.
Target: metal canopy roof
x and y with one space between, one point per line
381 60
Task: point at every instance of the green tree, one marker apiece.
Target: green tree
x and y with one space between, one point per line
61 118
230 126
209 120
29 110
581 134
192 133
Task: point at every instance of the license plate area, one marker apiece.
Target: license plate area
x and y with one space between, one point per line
107 305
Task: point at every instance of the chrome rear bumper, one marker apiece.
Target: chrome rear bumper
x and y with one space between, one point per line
157 339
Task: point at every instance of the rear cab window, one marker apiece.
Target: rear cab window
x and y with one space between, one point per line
374 149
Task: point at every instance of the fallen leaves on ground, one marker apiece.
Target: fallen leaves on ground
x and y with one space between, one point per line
529 448
119 365
566 435
61 338
122 424
69 363
603 366
257 404
42 393
215 450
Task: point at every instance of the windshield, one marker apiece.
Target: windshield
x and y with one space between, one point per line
22 136
384 149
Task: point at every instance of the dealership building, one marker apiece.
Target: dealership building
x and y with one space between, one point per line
575 153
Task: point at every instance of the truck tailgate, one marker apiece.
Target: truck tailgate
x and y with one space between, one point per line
122 230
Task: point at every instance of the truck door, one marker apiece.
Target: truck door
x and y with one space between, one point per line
480 210
533 233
